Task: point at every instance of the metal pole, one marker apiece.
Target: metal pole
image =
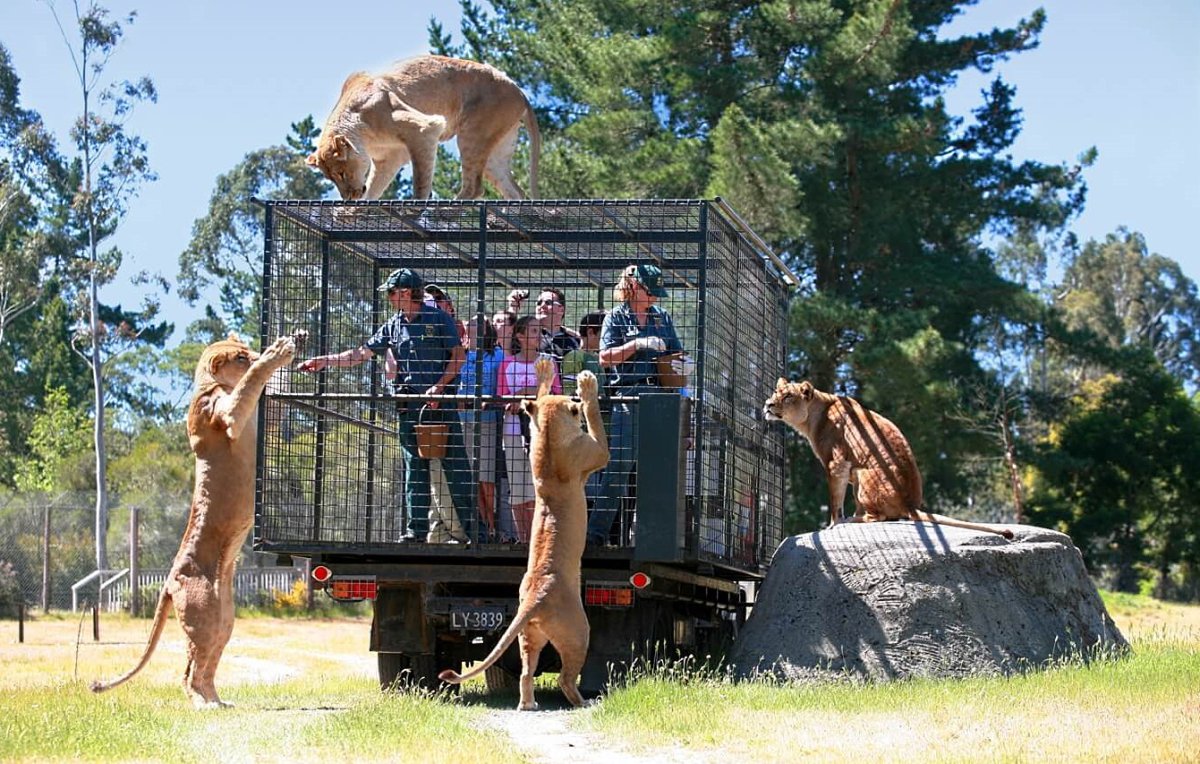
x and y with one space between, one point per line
134 566
46 560
95 623
308 587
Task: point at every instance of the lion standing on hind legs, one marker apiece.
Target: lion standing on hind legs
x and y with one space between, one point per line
858 447
562 457
222 428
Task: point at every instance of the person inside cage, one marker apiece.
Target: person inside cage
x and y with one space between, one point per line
480 374
550 309
426 356
437 297
503 322
518 376
444 525
634 334
586 357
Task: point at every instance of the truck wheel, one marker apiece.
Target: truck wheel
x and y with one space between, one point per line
401 671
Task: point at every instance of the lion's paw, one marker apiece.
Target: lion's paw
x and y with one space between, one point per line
587 385
545 369
281 351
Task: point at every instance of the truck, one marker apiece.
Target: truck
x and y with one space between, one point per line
704 511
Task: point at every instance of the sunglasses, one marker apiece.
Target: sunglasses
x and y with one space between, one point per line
548 302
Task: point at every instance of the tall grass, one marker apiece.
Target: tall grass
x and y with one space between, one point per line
303 690
1138 707
306 690
319 719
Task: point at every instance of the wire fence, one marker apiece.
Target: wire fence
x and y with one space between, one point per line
48 546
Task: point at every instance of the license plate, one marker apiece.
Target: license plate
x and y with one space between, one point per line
484 618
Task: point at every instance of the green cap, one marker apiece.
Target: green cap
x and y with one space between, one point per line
649 276
402 278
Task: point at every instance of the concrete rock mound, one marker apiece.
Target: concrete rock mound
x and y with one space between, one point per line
901 599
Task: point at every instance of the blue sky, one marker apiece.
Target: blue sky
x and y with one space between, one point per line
1123 77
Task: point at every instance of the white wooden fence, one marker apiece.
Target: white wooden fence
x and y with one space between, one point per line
250 586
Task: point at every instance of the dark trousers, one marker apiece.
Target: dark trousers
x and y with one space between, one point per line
455 463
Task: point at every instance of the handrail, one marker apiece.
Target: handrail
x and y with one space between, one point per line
75 587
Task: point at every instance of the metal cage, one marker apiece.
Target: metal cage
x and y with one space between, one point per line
332 474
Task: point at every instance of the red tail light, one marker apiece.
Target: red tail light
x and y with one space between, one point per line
608 595
321 574
352 588
639 580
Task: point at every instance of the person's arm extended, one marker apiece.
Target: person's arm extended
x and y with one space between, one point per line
352 357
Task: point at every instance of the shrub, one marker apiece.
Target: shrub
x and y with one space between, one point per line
10 590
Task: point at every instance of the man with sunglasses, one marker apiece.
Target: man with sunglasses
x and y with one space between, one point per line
550 309
557 338
421 343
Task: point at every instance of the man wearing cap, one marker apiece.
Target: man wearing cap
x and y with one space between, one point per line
426 352
634 334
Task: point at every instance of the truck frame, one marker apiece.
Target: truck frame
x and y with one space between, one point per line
687 546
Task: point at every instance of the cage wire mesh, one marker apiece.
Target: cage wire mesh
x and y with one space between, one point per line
333 469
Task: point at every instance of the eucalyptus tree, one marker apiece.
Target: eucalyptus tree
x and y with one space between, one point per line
226 247
110 167
1126 295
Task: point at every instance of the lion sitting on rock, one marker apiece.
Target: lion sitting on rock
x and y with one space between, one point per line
222 427
381 123
562 457
858 447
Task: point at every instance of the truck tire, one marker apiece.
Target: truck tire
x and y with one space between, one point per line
401 671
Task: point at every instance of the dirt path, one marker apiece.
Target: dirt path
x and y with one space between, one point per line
547 736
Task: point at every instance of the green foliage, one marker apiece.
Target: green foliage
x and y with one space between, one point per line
226 247
1124 295
1117 475
10 591
58 444
750 172
823 123
153 467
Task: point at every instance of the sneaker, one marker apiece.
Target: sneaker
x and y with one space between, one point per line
410 538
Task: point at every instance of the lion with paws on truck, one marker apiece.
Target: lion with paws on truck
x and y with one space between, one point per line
562 457
222 426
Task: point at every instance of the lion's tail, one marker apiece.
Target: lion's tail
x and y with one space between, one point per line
510 635
535 148
930 517
160 620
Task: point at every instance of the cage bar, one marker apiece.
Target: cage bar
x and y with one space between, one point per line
331 468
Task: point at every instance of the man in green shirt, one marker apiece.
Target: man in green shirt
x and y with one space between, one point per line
587 356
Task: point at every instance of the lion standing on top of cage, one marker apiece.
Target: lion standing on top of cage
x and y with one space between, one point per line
383 122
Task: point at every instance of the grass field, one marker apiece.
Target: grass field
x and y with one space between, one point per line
307 689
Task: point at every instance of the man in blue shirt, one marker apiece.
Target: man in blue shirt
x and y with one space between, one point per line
426 354
634 334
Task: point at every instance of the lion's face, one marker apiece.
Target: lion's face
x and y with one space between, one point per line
789 401
225 361
343 164
554 417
